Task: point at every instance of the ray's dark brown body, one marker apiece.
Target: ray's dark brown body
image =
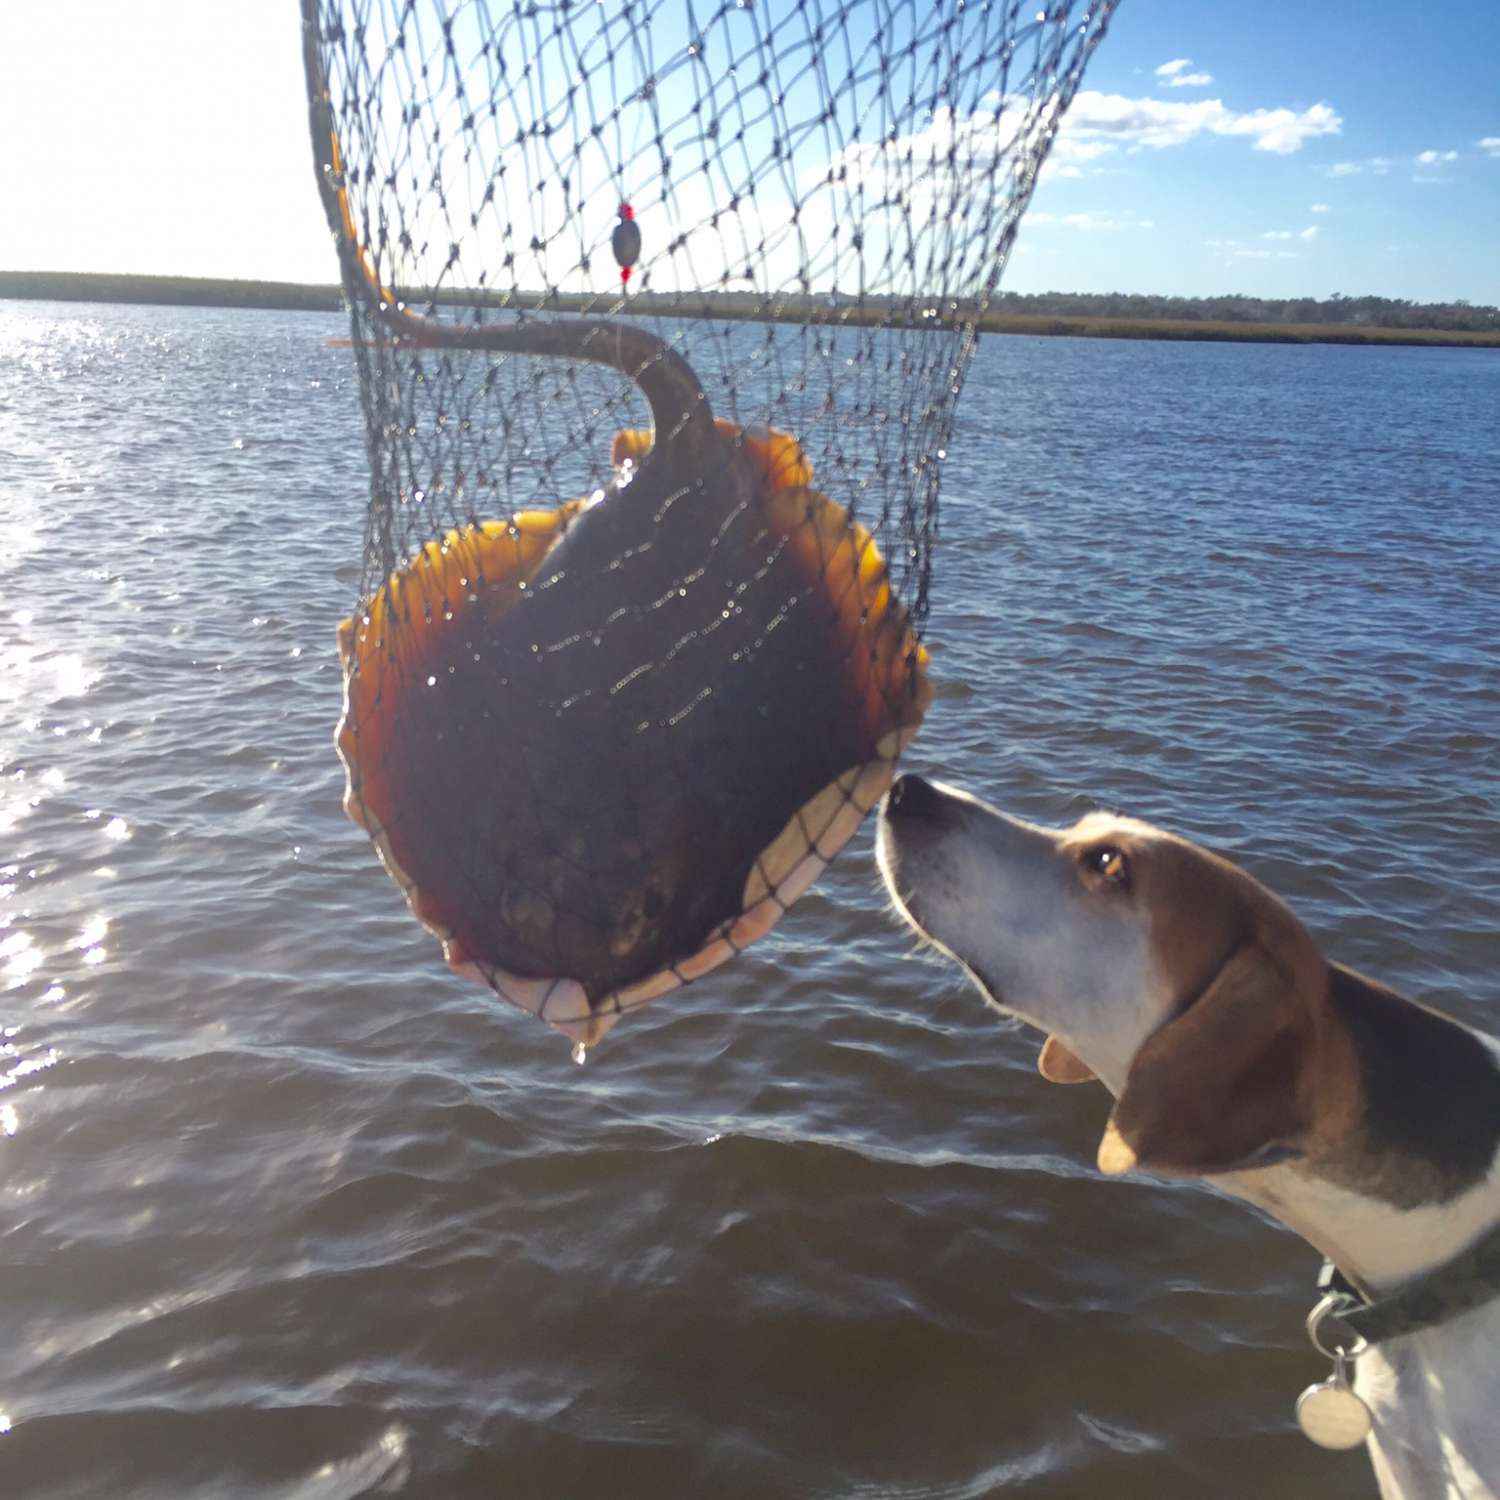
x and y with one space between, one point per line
588 776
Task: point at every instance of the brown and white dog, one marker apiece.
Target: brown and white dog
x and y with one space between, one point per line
1237 1052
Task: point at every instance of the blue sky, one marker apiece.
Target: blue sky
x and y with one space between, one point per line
1272 148
1402 196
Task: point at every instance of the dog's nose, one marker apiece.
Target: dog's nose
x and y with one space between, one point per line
913 796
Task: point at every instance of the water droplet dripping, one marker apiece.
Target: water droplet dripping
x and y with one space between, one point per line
580 1053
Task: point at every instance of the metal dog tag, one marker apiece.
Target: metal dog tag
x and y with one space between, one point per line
1330 1414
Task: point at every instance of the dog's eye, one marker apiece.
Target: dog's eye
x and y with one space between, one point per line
1107 865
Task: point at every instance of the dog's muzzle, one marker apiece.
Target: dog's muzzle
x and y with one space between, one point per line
914 799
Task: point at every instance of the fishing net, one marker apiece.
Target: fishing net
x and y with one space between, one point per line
661 311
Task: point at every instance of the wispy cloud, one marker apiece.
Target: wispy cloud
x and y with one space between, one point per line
1319 208
1307 235
1380 166
1239 250
1090 221
1104 121
1375 166
1176 75
1490 145
960 149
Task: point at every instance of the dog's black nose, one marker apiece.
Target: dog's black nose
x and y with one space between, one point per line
912 796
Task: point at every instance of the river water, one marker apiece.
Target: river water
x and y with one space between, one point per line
290 1212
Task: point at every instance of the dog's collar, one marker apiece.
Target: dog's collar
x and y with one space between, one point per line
1458 1286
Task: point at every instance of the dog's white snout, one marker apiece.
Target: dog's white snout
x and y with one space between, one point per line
1004 897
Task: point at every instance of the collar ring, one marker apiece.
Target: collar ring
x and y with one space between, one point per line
1329 1311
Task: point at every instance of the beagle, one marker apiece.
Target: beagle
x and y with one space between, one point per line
1237 1052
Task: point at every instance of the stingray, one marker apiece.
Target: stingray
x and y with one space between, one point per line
604 747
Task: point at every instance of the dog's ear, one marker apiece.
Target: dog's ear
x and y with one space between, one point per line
1058 1064
1219 1087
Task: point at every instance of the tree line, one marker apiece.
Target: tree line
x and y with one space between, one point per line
1108 313
1371 312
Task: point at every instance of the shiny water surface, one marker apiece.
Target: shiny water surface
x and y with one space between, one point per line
291 1212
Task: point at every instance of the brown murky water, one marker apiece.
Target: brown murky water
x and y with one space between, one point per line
289 1212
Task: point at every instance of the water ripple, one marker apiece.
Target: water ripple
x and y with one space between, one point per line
291 1212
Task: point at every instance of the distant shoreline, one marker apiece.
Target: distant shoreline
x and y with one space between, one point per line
289 296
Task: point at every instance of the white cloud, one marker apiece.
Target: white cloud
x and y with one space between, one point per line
1320 208
1432 158
1104 121
1309 234
960 151
1245 254
1376 166
1090 221
1277 234
1490 145
1282 130
1068 156
1176 76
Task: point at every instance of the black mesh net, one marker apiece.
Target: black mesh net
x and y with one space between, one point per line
661 312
